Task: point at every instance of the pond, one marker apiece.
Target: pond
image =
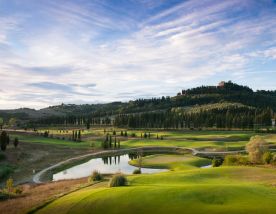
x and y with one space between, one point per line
105 165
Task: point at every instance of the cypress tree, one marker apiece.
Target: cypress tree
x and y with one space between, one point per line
15 142
3 140
79 135
110 141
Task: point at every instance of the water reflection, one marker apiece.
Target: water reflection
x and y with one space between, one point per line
104 165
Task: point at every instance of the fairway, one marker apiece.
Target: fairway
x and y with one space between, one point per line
219 190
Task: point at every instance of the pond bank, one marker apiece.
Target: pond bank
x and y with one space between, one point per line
45 174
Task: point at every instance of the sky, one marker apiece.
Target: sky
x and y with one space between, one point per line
98 51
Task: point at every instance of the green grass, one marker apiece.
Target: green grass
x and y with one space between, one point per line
186 188
216 190
173 162
218 140
54 141
220 145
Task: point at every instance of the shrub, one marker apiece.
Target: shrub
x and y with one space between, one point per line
216 162
118 180
9 185
256 147
137 171
273 161
232 160
2 157
96 176
18 190
5 171
15 142
267 157
4 196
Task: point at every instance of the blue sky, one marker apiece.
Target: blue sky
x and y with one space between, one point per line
96 51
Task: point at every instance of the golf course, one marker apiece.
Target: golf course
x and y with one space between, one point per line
188 182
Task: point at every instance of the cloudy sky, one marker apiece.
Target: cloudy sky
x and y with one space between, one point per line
92 51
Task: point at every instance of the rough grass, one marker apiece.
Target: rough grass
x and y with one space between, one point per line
37 195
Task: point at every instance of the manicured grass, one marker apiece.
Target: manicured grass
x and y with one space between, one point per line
220 145
173 162
216 190
218 140
54 141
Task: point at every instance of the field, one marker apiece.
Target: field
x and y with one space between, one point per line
185 187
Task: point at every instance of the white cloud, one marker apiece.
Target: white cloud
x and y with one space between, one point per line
176 47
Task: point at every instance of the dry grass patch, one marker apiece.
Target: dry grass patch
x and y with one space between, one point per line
37 194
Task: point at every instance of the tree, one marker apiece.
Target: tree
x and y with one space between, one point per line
1 123
8 139
46 134
76 136
88 125
110 141
15 142
12 121
267 157
73 135
79 135
256 147
4 140
145 135
9 185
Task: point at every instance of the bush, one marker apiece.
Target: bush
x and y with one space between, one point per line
9 185
3 196
216 162
273 161
267 157
256 147
5 171
233 160
137 171
96 176
2 157
118 180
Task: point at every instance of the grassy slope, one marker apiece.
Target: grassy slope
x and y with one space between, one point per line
186 190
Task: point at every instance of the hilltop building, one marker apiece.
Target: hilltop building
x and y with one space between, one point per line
221 84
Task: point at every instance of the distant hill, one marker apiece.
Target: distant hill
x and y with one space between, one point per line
225 96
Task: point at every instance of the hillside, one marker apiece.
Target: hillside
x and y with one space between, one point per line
227 96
